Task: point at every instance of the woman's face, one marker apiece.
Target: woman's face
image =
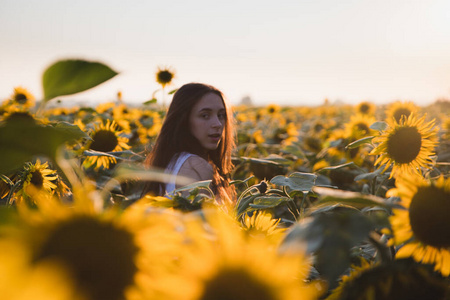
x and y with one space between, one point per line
207 121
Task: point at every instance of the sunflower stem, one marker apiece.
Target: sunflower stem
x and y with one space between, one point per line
382 250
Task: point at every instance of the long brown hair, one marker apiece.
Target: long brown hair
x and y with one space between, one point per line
175 137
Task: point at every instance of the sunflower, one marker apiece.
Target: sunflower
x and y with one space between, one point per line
38 176
272 109
257 137
399 279
15 114
399 109
105 107
226 263
105 138
164 76
22 279
261 223
423 229
110 254
365 108
407 145
22 97
359 126
291 134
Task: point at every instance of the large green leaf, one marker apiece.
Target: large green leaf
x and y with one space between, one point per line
379 125
21 141
67 77
265 202
330 236
332 196
72 130
355 144
296 181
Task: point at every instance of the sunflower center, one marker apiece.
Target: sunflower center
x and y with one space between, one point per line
236 284
362 127
428 215
400 112
164 77
364 108
100 256
404 145
318 127
104 141
20 98
37 179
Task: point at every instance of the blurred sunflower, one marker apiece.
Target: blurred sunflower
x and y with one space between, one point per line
262 223
359 126
365 108
423 229
446 128
272 109
164 76
407 145
398 109
14 114
110 254
257 137
291 134
38 176
226 263
106 107
105 138
22 279
399 279
312 143
22 97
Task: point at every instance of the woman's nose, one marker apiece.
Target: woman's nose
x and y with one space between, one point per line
217 122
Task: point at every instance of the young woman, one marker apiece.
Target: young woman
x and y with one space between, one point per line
196 141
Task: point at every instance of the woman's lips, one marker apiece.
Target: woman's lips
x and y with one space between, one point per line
215 137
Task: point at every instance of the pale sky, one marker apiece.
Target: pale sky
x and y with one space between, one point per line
285 52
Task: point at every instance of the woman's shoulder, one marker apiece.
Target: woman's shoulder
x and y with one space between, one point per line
197 168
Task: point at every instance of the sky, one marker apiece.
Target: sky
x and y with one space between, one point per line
283 52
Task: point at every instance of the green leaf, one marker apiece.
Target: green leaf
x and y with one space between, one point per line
264 202
295 150
172 92
67 77
151 101
330 235
126 154
338 166
355 144
244 204
72 130
21 141
296 181
369 176
379 125
333 196
199 184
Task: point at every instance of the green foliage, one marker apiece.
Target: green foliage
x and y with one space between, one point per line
360 142
21 141
379 125
67 77
296 181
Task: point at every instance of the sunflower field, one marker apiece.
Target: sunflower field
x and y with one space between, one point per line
333 201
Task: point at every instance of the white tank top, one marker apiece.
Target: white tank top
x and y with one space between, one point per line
174 167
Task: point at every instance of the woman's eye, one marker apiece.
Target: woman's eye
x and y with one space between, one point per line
222 116
204 116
